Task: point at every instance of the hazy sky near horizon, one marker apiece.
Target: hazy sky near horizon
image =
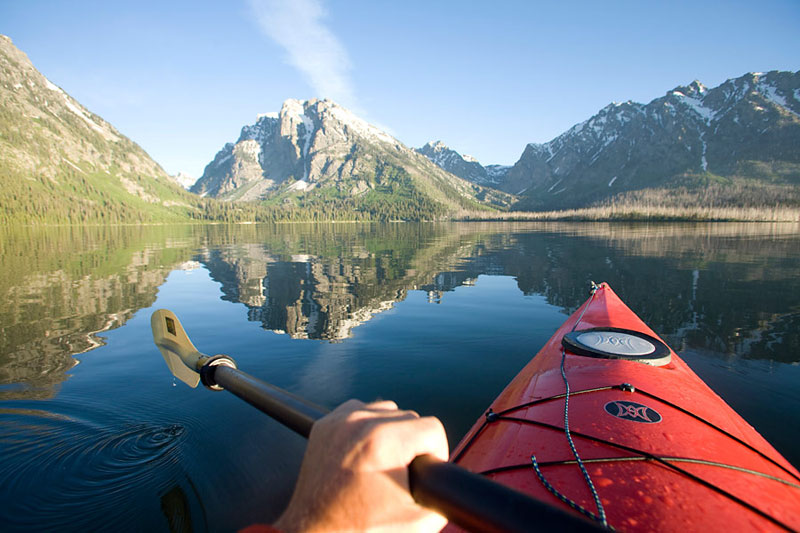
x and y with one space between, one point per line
181 78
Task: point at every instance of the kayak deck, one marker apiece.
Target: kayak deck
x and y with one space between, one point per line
660 448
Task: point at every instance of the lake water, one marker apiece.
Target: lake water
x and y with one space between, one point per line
96 434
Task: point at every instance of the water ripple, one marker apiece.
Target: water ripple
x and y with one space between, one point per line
62 473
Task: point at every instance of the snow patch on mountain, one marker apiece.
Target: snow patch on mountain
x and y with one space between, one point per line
308 132
703 160
107 134
292 108
361 127
771 93
262 130
554 185
300 185
495 172
52 86
696 105
73 165
184 180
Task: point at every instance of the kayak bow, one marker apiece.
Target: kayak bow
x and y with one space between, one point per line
607 421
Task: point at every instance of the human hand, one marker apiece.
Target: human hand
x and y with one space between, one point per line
354 475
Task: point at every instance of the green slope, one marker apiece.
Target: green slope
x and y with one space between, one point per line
60 163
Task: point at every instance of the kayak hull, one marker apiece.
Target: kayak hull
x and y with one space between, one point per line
662 450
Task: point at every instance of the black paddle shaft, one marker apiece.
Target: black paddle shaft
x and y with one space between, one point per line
471 501
292 411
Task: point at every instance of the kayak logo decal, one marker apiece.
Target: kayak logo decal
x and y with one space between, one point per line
635 412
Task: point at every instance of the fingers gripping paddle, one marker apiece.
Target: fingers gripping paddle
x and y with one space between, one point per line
468 500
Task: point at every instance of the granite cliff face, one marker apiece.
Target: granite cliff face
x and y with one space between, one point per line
319 149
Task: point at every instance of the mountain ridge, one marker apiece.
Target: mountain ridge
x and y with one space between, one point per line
691 133
61 162
463 166
741 136
314 149
737 144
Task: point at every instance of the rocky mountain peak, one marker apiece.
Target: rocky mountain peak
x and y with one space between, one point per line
262 128
434 146
315 145
294 122
693 90
438 152
463 166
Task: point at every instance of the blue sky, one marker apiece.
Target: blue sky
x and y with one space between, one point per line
181 78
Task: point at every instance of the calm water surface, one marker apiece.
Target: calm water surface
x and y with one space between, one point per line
96 434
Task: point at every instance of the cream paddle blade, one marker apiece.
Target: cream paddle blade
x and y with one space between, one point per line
180 354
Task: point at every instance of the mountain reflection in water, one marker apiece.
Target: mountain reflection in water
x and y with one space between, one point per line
736 307
436 316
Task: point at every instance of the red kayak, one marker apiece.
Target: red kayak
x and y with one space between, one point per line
608 422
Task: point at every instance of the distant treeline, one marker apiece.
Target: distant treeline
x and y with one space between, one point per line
79 197
674 205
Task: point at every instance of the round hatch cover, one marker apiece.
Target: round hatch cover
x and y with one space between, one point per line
617 343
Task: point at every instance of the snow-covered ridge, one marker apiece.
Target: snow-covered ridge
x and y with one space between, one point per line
603 129
304 112
444 156
439 153
360 126
696 105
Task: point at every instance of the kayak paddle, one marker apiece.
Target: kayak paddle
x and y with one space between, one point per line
468 500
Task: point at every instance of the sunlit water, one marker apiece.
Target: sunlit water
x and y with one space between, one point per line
96 434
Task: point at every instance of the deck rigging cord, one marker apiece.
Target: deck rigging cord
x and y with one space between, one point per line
500 415
601 512
639 455
664 461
